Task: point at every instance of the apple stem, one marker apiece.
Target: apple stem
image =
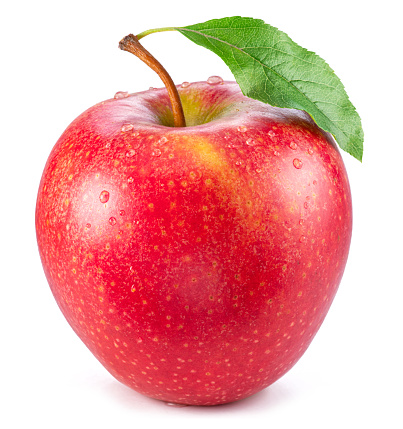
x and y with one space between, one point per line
154 30
131 44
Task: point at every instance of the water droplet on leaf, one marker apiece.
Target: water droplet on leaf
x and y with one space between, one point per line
104 196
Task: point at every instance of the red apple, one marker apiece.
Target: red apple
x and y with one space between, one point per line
195 263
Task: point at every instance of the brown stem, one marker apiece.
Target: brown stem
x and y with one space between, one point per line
131 44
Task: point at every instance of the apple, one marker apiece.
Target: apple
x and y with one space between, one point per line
196 263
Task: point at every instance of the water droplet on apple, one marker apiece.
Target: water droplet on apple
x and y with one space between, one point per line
250 142
271 133
112 221
120 94
126 127
302 239
314 182
301 221
175 405
297 163
305 205
215 80
238 163
130 153
276 153
293 146
287 224
242 129
156 152
122 212
185 84
130 179
104 196
88 225
310 151
162 140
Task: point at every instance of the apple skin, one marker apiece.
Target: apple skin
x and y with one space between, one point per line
195 263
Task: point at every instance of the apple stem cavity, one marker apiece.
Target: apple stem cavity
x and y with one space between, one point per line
131 44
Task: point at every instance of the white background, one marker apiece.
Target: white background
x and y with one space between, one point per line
60 57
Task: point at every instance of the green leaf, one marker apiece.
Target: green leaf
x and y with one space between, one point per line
270 67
